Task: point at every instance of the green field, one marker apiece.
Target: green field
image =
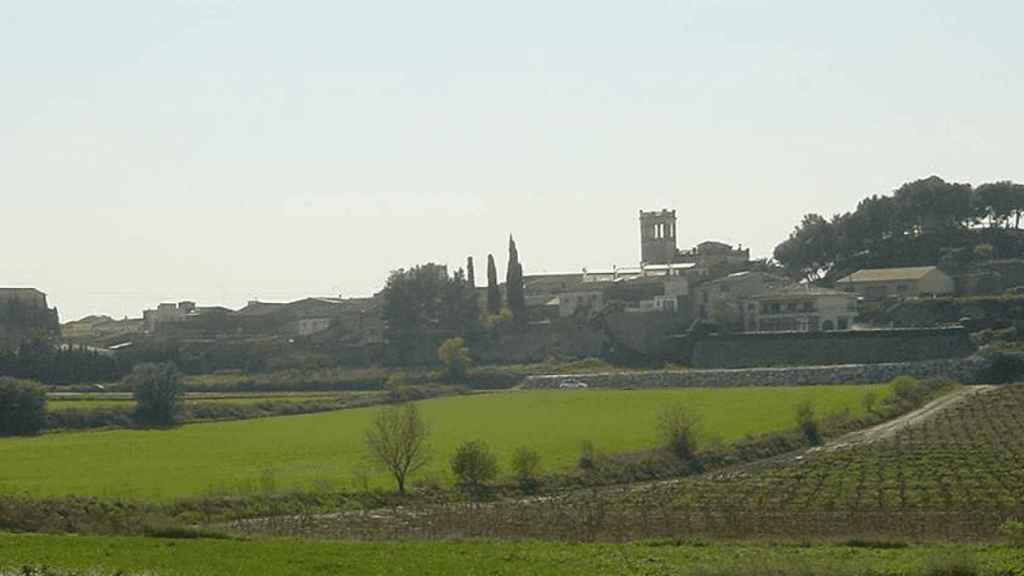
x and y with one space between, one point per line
327 449
287 557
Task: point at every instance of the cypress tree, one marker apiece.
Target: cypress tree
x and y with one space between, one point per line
493 296
470 273
514 283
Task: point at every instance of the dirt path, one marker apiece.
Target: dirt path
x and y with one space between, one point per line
892 427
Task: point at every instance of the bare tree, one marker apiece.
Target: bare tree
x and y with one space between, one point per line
397 440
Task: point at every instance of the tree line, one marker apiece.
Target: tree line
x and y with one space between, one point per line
923 222
38 359
427 302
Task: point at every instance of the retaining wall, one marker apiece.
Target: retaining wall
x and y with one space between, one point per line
966 370
821 348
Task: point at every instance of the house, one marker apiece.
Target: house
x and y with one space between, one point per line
882 283
719 300
582 300
799 308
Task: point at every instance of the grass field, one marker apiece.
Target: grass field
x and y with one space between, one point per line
288 557
327 449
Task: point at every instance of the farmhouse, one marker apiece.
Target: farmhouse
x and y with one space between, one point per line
800 308
882 283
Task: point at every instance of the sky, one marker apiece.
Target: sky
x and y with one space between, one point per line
225 151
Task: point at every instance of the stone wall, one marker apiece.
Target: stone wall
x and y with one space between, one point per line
827 348
965 370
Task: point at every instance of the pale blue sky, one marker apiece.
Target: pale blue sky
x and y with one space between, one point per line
219 151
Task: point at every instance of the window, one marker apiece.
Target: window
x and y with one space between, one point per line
776 308
791 307
843 323
808 306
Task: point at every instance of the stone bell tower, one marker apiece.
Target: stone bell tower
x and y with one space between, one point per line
657 237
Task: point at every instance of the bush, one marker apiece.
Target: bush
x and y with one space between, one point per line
1004 366
953 564
455 357
676 428
526 464
808 424
22 407
159 394
473 465
1013 531
588 456
907 389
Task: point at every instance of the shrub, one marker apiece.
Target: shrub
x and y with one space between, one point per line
869 402
473 465
22 407
1004 366
455 357
588 456
907 389
808 424
526 464
953 564
1013 531
677 430
159 394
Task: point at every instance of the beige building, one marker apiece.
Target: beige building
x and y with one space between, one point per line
720 300
800 308
882 283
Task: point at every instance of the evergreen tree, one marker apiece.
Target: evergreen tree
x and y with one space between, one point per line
514 283
493 295
470 272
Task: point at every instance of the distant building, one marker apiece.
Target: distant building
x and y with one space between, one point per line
720 300
28 297
658 245
24 313
882 283
800 308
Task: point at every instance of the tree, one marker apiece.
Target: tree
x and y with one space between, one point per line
397 441
22 407
526 464
677 429
473 466
810 251
493 295
159 392
455 357
470 273
426 300
808 423
514 284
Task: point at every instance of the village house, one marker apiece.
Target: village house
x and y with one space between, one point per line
799 308
882 283
720 300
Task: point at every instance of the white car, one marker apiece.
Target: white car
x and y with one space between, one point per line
572 384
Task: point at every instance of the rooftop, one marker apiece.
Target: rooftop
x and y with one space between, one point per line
888 274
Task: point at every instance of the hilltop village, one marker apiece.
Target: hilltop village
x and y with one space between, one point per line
672 305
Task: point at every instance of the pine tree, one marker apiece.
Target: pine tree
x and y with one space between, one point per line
514 283
493 296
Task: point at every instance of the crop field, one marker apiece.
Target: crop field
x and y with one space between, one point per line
966 463
327 450
958 474
290 557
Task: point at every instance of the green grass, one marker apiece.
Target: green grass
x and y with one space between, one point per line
288 557
327 449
